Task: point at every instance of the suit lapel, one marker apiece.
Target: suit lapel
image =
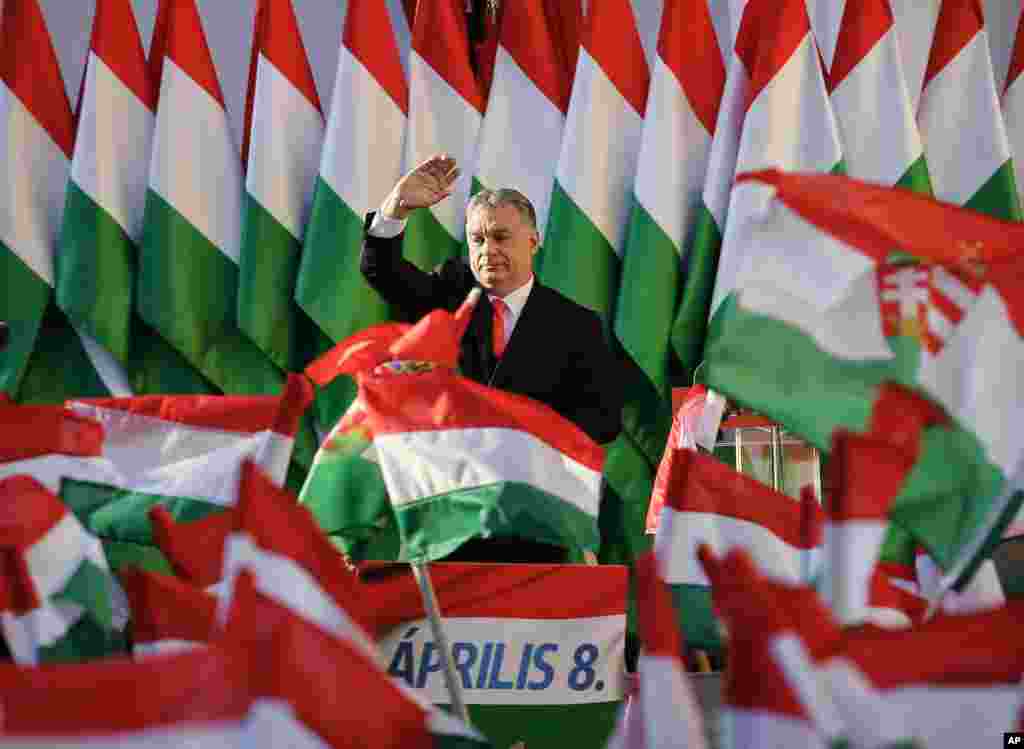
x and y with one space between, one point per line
477 354
530 326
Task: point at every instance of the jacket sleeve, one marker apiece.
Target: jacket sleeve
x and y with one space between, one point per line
412 291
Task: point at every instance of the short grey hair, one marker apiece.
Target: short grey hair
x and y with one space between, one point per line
504 196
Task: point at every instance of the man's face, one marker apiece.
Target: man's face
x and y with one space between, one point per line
501 247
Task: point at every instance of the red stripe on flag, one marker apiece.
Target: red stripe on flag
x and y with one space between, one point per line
883 593
864 23
18 594
31 431
116 41
565 21
27 511
186 45
867 472
611 37
370 37
164 608
701 483
527 38
233 413
769 34
958 23
440 37
281 43
1017 59
512 591
195 550
688 46
158 44
656 616
29 69
440 400
211 684
875 219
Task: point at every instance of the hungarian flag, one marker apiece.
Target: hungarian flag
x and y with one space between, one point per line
1013 105
198 699
299 671
284 130
589 213
360 163
195 549
708 503
45 357
664 711
102 223
28 432
915 27
166 613
959 104
521 134
538 649
182 452
774 92
682 106
894 597
187 281
813 284
58 601
446 107
451 458
872 105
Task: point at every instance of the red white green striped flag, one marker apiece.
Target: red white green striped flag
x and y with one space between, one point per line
188 269
446 107
34 431
824 241
530 643
284 130
38 130
980 177
589 213
521 134
872 105
195 550
682 106
708 503
774 60
57 706
361 161
182 452
1013 105
664 711
57 597
106 195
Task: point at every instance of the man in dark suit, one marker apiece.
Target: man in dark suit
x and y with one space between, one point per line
524 337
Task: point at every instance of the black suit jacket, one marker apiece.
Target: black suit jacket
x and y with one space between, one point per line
556 354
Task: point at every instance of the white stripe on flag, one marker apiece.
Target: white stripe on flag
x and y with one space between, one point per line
31 189
361 176
54 558
194 735
422 464
113 123
600 121
284 152
193 144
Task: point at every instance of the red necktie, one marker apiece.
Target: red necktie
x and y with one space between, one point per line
498 322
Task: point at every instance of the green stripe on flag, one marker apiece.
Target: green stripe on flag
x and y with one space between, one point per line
95 268
998 196
643 324
122 554
122 514
589 725
427 243
266 284
89 588
330 287
434 527
697 620
84 641
59 368
188 291
578 259
691 321
916 178
22 305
